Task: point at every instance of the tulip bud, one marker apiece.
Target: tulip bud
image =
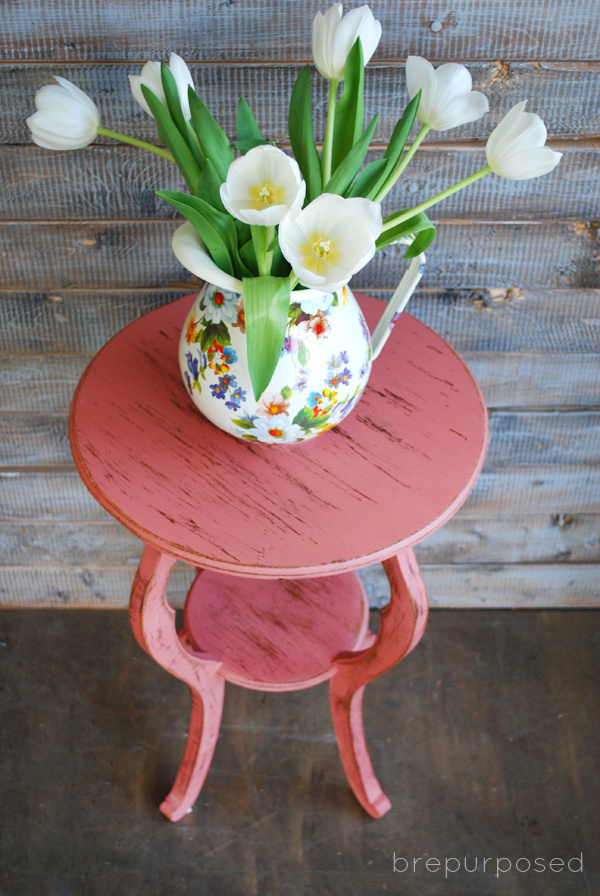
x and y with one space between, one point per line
515 148
334 37
447 99
150 77
66 118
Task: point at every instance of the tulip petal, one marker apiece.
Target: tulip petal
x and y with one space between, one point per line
331 239
515 148
334 36
530 163
461 110
190 250
419 75
447 99
66 117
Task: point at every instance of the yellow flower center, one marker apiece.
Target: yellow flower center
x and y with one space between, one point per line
266 194
321 248
319 253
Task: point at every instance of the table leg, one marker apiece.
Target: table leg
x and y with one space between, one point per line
401 627
153 623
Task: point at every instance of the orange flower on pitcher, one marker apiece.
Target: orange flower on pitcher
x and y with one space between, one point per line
190 332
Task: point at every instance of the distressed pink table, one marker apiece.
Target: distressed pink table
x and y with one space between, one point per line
277 532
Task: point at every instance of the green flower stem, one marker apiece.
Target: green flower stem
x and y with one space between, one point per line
194 138
393 220
328 141
403 162
262 237
134 142
294 281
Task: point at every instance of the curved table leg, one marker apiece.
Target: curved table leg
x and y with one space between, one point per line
153 623
401 627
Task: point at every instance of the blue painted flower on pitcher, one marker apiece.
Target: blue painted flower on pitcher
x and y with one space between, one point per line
323 368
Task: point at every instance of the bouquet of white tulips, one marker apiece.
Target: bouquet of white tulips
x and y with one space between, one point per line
276 222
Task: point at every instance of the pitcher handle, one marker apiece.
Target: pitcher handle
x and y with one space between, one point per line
399 300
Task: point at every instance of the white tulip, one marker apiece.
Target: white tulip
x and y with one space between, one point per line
262 186
515 148
330 240
447 99
66 118
334 37
150 78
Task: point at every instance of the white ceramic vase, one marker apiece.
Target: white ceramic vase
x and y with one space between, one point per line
324 364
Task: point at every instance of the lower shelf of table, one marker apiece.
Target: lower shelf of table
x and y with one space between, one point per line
276 634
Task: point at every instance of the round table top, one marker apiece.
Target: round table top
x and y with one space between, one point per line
392 472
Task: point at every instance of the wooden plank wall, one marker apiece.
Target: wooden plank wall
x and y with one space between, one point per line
513 279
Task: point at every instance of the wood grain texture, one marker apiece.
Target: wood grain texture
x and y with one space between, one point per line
62 30
550 87
119 182
48 495
517 438
60 255
153 623
401 626
500 585
153 465
42 383
468 538
520 299
472 320
279 634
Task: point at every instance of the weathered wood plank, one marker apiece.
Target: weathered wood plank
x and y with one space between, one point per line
526 586
550 88
522 539
462 585
55 256
46 382
39 382
120 182
517 438
503 320
66 30
556 490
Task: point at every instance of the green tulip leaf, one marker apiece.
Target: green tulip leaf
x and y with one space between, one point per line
302 138
170 136
350 111
209 187
366 183
212 140
418 224
216 228
248 132
266 303
346 171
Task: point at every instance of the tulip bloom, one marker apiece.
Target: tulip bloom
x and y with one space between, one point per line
334 37
150 78
330 240
516 150
66 118
447 99
262 186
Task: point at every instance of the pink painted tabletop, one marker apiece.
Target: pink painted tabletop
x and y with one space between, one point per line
397 468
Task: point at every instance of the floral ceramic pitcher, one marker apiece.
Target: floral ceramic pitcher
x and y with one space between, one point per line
324 365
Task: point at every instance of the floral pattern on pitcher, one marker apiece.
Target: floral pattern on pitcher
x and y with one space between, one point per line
322 371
